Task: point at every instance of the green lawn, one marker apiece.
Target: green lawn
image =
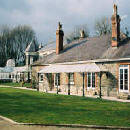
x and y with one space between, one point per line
34 107
11 84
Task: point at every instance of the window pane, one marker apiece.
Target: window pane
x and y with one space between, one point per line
71 78
89 79
121 65
126 85
41 77
125 65
57 79
121 86
126 79
121 79
121 71
93 80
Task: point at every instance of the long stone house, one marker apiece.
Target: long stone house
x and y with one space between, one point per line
95 66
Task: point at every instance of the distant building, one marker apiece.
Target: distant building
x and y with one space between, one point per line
11 73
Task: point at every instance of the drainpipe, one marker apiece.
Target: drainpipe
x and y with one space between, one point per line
83 85
100 93
57 82
69 84
38 81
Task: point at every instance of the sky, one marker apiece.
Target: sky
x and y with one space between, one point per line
44 15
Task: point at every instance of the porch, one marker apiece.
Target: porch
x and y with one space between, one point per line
72 79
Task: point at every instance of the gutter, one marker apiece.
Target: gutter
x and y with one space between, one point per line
88 61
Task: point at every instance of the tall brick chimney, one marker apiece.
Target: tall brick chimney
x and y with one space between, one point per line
115 19
59 39
82 34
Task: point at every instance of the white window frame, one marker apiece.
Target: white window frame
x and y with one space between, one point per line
41 78
71 82
90 87
123 67
56 79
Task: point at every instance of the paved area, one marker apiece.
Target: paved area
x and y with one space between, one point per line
5 125
26 88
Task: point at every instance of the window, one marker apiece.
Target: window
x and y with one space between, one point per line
41 77
123 78
57 79
91 80
12 76
71 78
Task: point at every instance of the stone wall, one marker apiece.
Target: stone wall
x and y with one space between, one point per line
64 82
109 80
44 85
75 89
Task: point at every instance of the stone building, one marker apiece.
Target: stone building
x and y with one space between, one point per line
88 66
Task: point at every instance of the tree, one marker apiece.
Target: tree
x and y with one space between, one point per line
75 34
102 26
14 41
21 37
127 32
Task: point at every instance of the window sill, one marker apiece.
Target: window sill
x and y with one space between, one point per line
90 88
40 81
124 91
56 85
71 83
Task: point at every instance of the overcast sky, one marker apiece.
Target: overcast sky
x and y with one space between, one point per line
43 15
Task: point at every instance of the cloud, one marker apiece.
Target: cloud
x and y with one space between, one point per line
43 15
124 17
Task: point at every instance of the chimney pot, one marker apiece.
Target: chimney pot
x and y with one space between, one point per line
82 34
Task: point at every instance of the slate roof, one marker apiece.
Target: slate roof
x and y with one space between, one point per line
50 46
13 69
31 47
6 69
88 49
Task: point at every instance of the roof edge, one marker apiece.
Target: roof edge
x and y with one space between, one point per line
88 61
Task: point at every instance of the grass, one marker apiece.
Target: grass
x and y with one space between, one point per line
11 84
34 107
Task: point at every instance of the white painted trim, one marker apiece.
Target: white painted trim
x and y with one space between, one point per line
40 78
90 87
72 82
55 80
126 91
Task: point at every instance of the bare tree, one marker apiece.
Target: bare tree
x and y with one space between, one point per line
13 42
103 26
75 34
